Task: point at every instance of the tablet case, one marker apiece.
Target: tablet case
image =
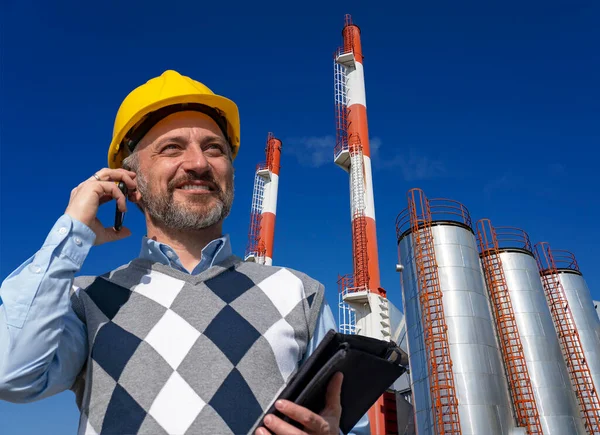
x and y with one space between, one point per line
370 367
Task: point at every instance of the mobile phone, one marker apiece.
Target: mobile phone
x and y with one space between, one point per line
120 215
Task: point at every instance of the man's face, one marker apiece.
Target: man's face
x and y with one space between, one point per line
185 174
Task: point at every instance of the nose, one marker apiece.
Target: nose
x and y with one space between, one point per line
194 160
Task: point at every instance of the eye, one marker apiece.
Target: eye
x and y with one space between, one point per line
214 148
169 147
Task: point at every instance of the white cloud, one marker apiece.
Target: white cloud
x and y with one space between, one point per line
313 151
413 165
316 151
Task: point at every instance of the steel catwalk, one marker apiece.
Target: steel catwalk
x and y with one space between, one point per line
556 402
480 380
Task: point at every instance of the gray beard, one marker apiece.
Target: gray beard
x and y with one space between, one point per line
163 209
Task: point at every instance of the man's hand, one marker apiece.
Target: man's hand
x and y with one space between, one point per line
95 191
327 423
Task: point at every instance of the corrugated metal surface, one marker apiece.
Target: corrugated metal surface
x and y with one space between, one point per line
556 401
586 320
482 389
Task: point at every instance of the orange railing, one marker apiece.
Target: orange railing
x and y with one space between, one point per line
346 284
441 209
565 260
512 237
579 372
444 402
521 391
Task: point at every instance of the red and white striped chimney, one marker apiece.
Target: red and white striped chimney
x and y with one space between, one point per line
269 210
264 205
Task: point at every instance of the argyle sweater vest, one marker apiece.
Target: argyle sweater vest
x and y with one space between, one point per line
173 353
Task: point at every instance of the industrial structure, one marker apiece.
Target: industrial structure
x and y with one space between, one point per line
519 381
577 327
503 338
459 384
364 307
264 205
543 399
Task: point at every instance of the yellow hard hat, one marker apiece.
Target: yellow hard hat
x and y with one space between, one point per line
161 96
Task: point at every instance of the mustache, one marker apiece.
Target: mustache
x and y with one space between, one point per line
192 176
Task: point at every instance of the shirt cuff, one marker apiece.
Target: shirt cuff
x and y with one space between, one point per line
75 237
78 244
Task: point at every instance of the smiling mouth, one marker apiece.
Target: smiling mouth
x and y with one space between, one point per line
193 187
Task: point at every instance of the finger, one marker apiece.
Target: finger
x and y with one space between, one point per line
302 415
110 189
105 199
262 431
333 401
115 175
127 179
280 427
129 182
106 173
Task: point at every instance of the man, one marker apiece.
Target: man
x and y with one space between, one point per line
186 338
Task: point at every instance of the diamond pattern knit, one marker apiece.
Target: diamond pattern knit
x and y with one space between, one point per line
176 353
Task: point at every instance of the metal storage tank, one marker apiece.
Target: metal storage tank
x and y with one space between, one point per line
556 402
580 360
582 306
478 375
564 265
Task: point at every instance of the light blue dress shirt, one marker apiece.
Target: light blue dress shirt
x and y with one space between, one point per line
43 344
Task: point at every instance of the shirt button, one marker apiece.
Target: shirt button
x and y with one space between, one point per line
35 268
62 231
77 241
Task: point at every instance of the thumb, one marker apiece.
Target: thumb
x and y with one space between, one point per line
334 392
111 235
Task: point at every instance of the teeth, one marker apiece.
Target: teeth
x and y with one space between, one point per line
194 187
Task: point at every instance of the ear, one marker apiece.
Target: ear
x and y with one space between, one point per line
136 196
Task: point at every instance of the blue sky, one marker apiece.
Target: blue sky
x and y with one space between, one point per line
494 104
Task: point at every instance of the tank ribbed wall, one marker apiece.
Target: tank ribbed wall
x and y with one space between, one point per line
556 402
480 380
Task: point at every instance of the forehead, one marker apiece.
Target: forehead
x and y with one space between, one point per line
195 125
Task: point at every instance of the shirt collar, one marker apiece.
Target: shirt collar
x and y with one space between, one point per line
213 253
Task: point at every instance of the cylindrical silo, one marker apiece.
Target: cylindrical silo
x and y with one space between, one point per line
582 307
556 402
567 299
478 374
587 322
